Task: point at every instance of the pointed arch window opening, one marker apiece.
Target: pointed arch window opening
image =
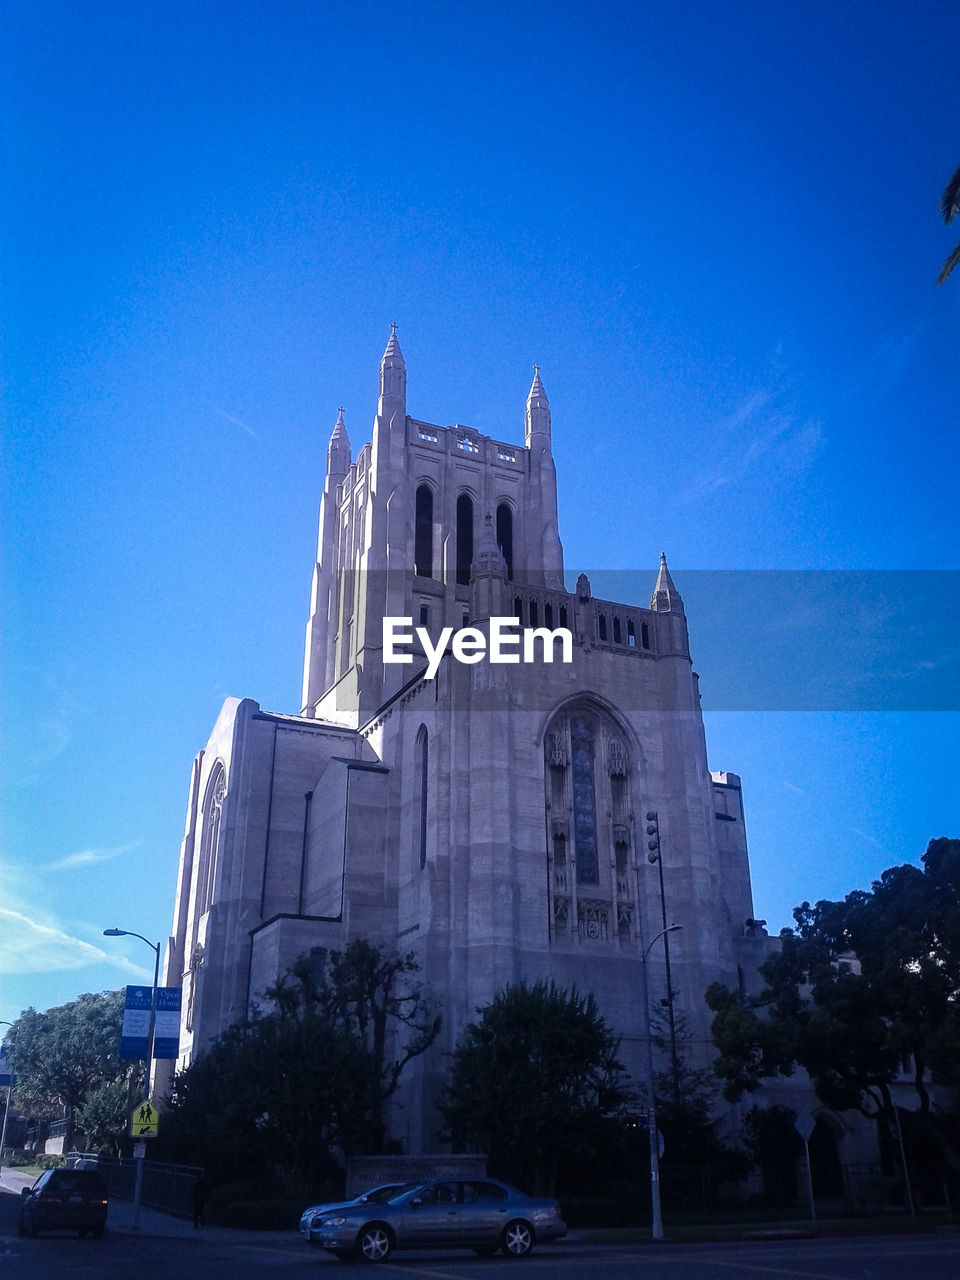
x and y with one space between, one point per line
505 536
422 757
423 536
210 839
464 539
588 801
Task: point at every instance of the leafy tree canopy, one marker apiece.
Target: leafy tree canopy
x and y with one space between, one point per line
60 1055
949 208
859 987
534 1079
309 1071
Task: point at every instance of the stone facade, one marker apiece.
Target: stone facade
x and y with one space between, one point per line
491 820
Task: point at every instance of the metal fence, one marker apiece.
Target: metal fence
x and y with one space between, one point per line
780 1191
167 1187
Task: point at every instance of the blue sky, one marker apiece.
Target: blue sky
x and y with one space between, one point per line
714 226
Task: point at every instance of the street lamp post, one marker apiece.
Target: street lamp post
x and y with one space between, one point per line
155 947
6 1109
653 1135
656 856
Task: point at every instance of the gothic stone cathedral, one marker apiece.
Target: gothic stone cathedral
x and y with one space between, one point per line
490 820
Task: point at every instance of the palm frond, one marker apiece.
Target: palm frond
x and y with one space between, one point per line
950 200
948 266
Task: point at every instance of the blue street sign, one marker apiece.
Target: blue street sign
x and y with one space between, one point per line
136 1023
166 1036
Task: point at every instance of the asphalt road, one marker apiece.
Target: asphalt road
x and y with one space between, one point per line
152 1257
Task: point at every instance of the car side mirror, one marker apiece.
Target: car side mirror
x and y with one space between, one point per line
25 1191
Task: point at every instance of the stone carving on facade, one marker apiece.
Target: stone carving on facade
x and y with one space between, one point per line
621 833
593 920
557 750
616 758
193 978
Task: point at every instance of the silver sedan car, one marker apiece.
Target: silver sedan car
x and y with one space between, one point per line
376 1195
479 1214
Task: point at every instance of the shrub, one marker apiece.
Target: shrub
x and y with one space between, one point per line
591 1211
276 1213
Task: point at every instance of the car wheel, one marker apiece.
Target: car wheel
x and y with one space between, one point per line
374 1243
517 1240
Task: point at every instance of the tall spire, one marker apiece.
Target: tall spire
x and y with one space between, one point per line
538 411
488 557
393 378
666 597
338 450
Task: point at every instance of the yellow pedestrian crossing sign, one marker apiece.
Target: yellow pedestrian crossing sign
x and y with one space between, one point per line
143 1122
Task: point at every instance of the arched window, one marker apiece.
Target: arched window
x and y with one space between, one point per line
587 763
423 537
421 752
464 539
505 535
211 811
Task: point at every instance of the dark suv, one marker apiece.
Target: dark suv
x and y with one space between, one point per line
65 1200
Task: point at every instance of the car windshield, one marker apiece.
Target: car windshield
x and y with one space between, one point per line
380 1195
71 1181
403 1190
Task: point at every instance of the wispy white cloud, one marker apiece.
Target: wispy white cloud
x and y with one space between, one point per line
872 380
766 430
44 739
865 835
236 421
28 945
90 857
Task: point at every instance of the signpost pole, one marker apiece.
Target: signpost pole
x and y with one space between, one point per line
805 1125
155 947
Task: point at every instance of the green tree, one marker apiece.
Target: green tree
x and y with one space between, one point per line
949 208
687 1112
535 1079
857 989
62 1055
103 1116
308 1072
376 1001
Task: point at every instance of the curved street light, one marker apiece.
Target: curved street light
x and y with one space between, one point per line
654 1137
155 947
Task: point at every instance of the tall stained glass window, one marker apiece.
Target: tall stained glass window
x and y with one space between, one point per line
584 801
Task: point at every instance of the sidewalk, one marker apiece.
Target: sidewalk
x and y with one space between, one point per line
154 1223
